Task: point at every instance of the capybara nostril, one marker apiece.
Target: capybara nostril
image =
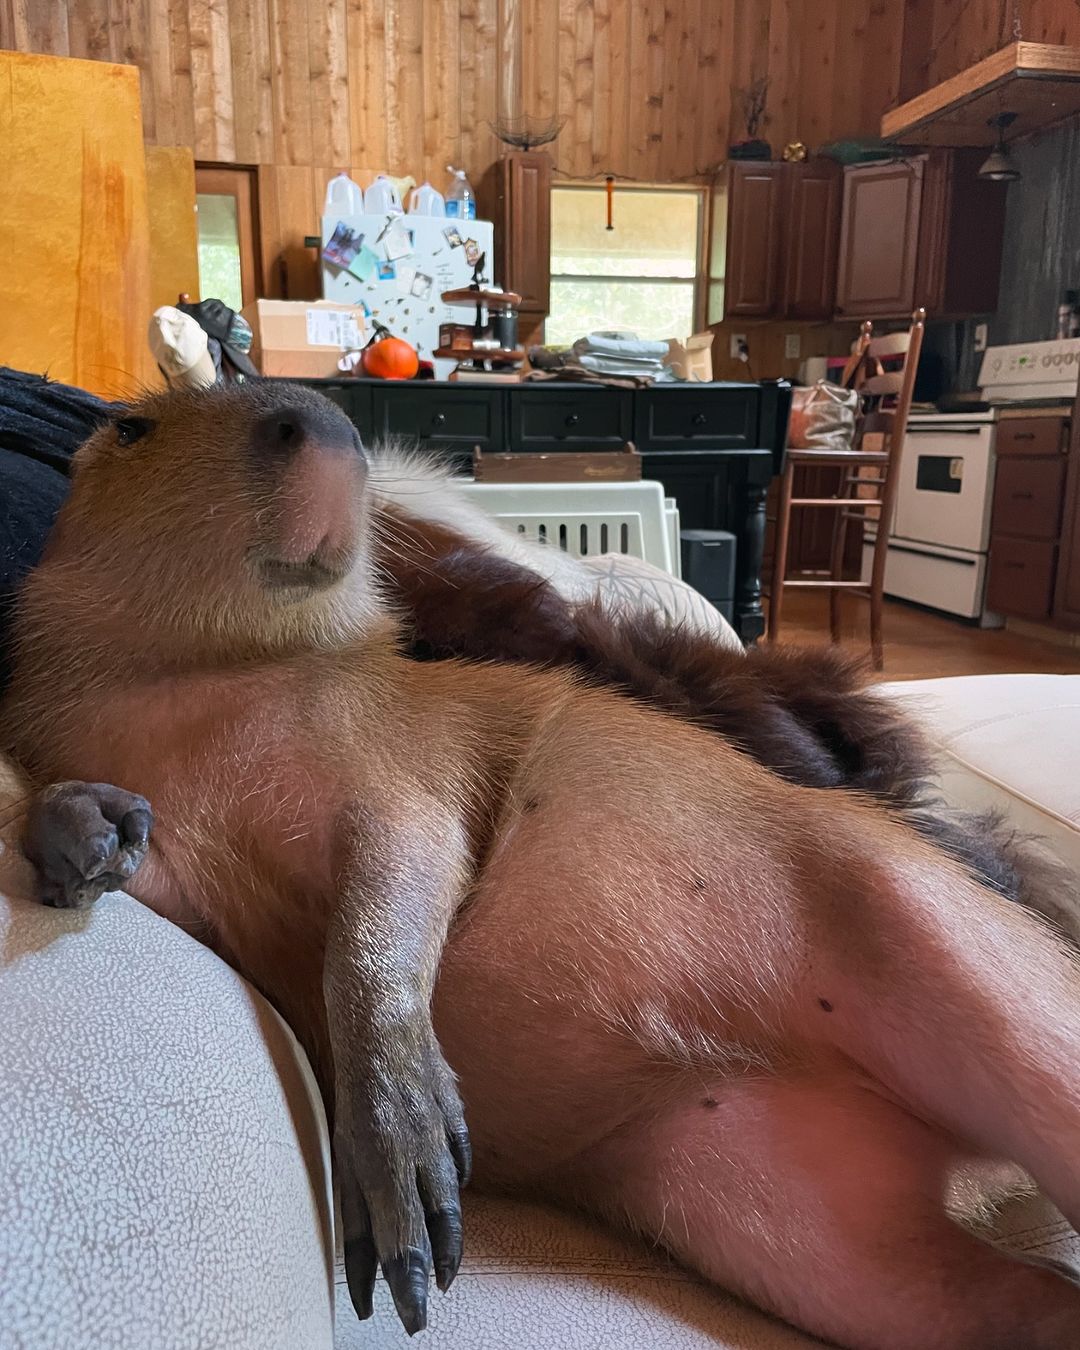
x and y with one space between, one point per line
285 430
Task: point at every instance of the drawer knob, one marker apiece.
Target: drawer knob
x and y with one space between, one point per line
439 420
1017 565
1023 435
572 419
699 419
1022 496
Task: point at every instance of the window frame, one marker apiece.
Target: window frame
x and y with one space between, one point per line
701 244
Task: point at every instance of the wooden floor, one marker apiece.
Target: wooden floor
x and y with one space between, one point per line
919 645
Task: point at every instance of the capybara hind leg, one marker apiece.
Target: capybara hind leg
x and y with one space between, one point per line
824 1203
965 1006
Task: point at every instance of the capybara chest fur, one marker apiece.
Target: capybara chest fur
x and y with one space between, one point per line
768 1026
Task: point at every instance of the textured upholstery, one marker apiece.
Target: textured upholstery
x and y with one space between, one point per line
537 1279
1010 742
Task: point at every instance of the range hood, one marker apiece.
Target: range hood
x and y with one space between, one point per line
1037 81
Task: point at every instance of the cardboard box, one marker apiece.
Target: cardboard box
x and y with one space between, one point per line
303 338
692 359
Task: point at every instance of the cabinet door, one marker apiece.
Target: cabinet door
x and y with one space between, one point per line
752 284
524 223
811 238
1067 587
879 240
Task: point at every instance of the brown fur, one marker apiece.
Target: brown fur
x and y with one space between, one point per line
608 915
807 715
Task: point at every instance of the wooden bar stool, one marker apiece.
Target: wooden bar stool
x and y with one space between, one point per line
869 478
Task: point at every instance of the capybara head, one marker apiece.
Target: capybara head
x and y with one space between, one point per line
221 520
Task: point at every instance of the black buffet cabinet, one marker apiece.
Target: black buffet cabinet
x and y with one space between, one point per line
714 447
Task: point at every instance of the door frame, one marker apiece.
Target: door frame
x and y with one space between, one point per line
240 181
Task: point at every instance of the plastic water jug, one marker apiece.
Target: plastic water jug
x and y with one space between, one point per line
425 201
382 196
343 197
460 198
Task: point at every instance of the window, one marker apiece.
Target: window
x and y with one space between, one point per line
228 228
640 276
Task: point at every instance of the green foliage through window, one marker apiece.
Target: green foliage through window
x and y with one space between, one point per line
640 276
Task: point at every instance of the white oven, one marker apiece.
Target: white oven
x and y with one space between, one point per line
941 527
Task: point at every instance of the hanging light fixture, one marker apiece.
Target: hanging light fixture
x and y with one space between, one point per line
998 164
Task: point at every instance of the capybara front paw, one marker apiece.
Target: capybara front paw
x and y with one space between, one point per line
403 1154
85 839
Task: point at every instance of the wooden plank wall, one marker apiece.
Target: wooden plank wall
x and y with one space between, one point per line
649 89
945 36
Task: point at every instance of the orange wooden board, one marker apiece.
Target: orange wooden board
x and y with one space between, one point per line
174 235
74 244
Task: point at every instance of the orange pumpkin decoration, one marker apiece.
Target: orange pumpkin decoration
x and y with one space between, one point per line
390 358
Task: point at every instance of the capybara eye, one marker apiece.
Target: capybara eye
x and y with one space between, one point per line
132 429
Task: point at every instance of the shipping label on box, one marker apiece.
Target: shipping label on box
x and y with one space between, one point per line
333 328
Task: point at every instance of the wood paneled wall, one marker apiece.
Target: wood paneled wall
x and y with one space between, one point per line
945 36
649 89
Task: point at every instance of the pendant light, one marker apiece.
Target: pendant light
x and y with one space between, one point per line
999 165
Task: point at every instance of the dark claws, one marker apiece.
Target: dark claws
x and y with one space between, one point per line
444 1230
407 1275
136 827
461 1150
360 1268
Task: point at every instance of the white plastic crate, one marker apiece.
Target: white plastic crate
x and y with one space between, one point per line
587 519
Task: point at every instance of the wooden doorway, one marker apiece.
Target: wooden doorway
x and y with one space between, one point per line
230 266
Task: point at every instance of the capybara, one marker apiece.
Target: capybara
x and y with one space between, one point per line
769 1026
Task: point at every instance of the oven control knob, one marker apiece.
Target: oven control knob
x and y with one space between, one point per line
1046 360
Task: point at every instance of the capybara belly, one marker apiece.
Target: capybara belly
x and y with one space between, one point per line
604 934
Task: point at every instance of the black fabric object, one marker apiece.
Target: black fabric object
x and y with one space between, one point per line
42 424
215 318
31 494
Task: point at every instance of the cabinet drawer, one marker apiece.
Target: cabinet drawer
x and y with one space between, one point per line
354 400
441 415
1021 577
570 419
695 418
1031 436
1027 497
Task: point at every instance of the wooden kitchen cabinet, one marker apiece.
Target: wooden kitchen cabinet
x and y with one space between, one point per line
1066 610
1024 580
752 282
813 194
782 236
920 231
519 199
879 239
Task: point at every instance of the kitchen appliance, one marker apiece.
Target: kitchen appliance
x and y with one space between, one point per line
1031 372
941 528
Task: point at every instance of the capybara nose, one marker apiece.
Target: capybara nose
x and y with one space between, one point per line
284 431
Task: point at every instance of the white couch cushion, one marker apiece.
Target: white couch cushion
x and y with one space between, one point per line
1010 742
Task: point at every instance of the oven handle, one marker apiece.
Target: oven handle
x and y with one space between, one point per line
929 553
944 431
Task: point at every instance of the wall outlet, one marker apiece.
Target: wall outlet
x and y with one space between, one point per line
792 346
982 336
740 347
